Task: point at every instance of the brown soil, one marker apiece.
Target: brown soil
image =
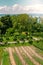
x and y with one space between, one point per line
20 56
33 51
31 58
11 56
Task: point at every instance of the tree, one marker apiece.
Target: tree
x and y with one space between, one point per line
6 20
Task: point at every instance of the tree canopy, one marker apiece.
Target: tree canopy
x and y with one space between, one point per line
19 23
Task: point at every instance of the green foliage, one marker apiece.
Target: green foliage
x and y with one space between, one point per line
1 39
17 27
6 20
38 44
19 23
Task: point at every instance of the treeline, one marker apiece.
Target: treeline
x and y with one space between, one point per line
19 27
19 23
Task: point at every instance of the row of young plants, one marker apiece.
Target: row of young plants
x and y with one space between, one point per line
6 59
26 59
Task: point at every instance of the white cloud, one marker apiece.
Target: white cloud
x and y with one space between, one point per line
2 7
16 9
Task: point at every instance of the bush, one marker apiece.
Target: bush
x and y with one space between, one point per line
30 41
1 39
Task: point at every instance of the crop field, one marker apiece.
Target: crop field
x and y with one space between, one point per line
21 55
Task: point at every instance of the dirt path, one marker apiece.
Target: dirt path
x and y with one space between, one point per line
36 54
20 56
11 56
31 58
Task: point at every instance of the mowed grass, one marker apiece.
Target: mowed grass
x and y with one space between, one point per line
6 60
17 60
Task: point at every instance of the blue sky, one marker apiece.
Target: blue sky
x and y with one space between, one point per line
21 6
22 2
11 2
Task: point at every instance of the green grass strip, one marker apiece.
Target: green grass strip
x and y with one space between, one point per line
1 54
15 44
6 60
